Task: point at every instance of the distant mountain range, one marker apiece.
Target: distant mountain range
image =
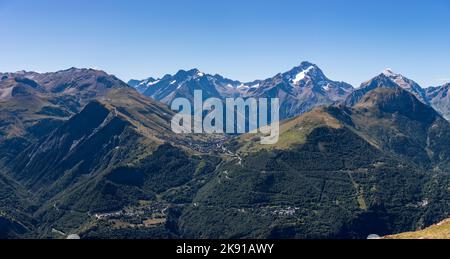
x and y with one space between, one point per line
300 90
84 153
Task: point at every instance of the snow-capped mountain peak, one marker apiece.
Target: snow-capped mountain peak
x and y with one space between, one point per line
398 78
306 71
389 73
406 84
388 79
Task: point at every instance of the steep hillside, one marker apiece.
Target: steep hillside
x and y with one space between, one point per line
438 231
440 99
337 172
115 152
392 120
33 104
398 122
119 129
15 207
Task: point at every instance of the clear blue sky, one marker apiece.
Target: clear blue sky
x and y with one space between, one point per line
241 39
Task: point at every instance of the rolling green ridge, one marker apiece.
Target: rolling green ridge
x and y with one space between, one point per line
324 188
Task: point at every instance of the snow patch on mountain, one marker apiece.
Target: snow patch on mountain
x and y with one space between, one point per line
248 86
153 83
300 76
